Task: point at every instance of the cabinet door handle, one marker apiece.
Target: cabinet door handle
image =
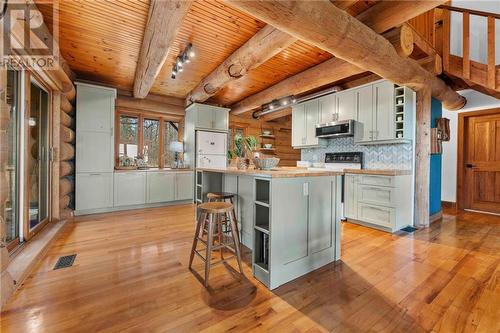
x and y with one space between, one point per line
94 174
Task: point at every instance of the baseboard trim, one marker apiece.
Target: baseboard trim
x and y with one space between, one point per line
449 204
436 216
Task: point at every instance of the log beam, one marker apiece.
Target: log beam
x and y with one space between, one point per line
66 105
317 76
264 45
268 42
66 168
150 106
67 152
164 22
331 29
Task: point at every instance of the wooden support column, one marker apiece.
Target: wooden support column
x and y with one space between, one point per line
422 157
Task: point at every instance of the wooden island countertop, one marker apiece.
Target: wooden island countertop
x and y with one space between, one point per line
280 172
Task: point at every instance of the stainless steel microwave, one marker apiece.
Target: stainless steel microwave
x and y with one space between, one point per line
335 129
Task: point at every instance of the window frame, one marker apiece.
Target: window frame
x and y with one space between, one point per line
141 116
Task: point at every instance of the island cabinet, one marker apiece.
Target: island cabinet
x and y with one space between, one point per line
296 231
383 202
291 224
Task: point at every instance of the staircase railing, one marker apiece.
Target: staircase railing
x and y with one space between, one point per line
470 70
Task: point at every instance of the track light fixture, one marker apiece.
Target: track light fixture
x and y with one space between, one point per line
185 57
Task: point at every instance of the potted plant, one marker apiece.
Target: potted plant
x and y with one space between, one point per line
243 147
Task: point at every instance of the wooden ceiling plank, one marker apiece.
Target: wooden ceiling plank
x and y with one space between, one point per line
261 47
164 21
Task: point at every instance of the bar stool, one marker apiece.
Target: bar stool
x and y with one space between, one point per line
223 197
212 215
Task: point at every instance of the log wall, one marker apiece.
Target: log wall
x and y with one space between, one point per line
282 130
67 137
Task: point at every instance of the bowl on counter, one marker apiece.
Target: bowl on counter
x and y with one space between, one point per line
266 163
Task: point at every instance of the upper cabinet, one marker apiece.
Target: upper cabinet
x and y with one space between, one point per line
384 114
305 117
209 117
346 104
95 110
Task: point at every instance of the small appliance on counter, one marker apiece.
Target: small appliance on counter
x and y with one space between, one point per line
335 129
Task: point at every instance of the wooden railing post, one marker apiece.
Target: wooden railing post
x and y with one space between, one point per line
491 53
446 39
466 45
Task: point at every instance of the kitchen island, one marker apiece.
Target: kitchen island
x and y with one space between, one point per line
288 217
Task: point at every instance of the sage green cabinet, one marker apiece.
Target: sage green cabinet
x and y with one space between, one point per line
350 196
208 117
346 104
184 186
305 117
160 187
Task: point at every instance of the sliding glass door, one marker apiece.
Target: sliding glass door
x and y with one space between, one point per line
37 160
10 178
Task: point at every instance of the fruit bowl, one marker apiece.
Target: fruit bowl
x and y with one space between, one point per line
266 163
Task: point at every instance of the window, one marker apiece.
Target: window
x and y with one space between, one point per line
147 137
129 138
170 134
151 146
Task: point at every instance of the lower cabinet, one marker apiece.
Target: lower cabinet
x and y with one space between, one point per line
94 191
184 186
380 201
160 187
130 188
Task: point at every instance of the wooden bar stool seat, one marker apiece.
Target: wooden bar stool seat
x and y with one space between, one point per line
212 217
219 196
224 197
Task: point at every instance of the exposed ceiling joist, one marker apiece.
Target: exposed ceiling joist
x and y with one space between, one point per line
164 21
331 29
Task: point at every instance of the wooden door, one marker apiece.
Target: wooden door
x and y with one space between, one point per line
482 163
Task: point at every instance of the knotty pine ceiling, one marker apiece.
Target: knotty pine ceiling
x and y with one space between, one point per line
101 41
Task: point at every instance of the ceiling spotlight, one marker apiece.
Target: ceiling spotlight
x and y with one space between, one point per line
185 58
189 51
284 102
271 106
173 75
293 100
179 62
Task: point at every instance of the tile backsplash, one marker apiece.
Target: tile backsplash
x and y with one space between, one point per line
387 156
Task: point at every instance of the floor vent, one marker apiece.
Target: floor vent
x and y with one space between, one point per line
409 229
66 261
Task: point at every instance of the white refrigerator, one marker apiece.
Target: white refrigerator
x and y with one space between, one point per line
211 150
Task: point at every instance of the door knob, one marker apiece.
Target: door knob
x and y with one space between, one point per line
470 166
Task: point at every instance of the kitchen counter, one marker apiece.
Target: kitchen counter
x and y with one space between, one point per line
280 172
379 172
153 170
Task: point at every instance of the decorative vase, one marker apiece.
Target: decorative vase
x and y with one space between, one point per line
242 163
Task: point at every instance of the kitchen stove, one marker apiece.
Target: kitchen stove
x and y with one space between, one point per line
341 161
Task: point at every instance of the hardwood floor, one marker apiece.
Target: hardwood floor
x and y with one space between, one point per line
131 274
